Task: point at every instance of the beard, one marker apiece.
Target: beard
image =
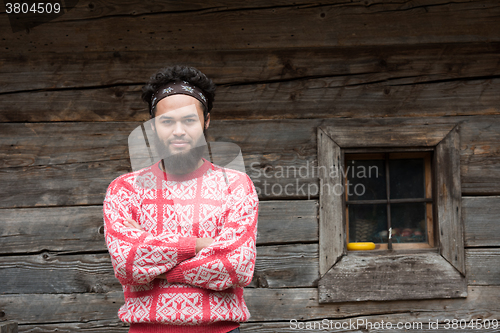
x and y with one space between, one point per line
181 162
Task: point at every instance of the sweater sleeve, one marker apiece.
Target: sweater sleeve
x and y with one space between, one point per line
230 260
137 256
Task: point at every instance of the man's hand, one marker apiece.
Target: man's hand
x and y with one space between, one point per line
202 243
132 224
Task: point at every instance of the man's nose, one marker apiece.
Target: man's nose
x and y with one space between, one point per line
179 129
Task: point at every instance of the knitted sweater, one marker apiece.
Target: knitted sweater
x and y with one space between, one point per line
202 292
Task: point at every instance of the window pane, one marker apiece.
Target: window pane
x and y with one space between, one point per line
367 223
365 179
408 222
407 178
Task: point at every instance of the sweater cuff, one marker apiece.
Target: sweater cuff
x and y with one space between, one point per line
175 276
187 248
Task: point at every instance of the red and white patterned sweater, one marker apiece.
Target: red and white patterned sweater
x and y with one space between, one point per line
202 292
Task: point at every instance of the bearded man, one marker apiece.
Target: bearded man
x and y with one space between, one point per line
181 232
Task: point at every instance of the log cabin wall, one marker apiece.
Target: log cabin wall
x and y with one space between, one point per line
70 96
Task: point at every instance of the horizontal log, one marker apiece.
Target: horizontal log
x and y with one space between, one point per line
349 96
280 222
291 25
480 216
95 326
76 229
480 157
302 304
60 229
60 184
37 144
278 266
8 327
483 266
264 304
355 65
280 157
275 267
103 326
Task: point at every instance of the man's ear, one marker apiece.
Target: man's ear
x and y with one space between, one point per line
207 122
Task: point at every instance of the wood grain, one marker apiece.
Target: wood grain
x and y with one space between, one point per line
75 229
332 231
277 266
353 65
391 277
480 215
103 326
264 304
448 194
80 229
291 26
280 157
347 96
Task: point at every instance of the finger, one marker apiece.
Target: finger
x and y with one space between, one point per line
134 224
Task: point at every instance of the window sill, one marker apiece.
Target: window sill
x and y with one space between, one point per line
386 276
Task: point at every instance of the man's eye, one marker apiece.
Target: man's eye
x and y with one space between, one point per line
166 122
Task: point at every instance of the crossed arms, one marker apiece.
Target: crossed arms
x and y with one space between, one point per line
223 262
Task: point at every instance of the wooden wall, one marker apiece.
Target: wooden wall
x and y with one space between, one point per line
70 95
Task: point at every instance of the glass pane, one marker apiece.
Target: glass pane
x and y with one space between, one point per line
368 223
365 179
407 178
408 222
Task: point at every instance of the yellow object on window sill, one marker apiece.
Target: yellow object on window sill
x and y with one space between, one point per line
362 246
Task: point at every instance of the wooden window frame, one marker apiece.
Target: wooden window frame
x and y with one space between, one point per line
391 274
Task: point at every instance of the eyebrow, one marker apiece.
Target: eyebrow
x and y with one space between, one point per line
192 115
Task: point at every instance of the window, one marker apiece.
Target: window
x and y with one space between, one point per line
389 199
427 260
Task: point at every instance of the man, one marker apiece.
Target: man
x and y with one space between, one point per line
181 233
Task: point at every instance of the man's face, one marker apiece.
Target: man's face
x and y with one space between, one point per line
179 128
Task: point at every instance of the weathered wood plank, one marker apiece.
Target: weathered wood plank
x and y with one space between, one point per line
103 326
391 277
8 327
47 144
280 157
387 135
95 326
449 200
59 185
70 229
333 24
264 305
279 266
282 266
286 266
480 215
356 65
326 97
483 266
280 222
331 202
89 273
480 156
75 229
302 304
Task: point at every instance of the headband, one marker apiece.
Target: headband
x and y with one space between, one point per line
177 87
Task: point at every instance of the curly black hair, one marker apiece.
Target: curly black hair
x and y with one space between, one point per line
180 73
